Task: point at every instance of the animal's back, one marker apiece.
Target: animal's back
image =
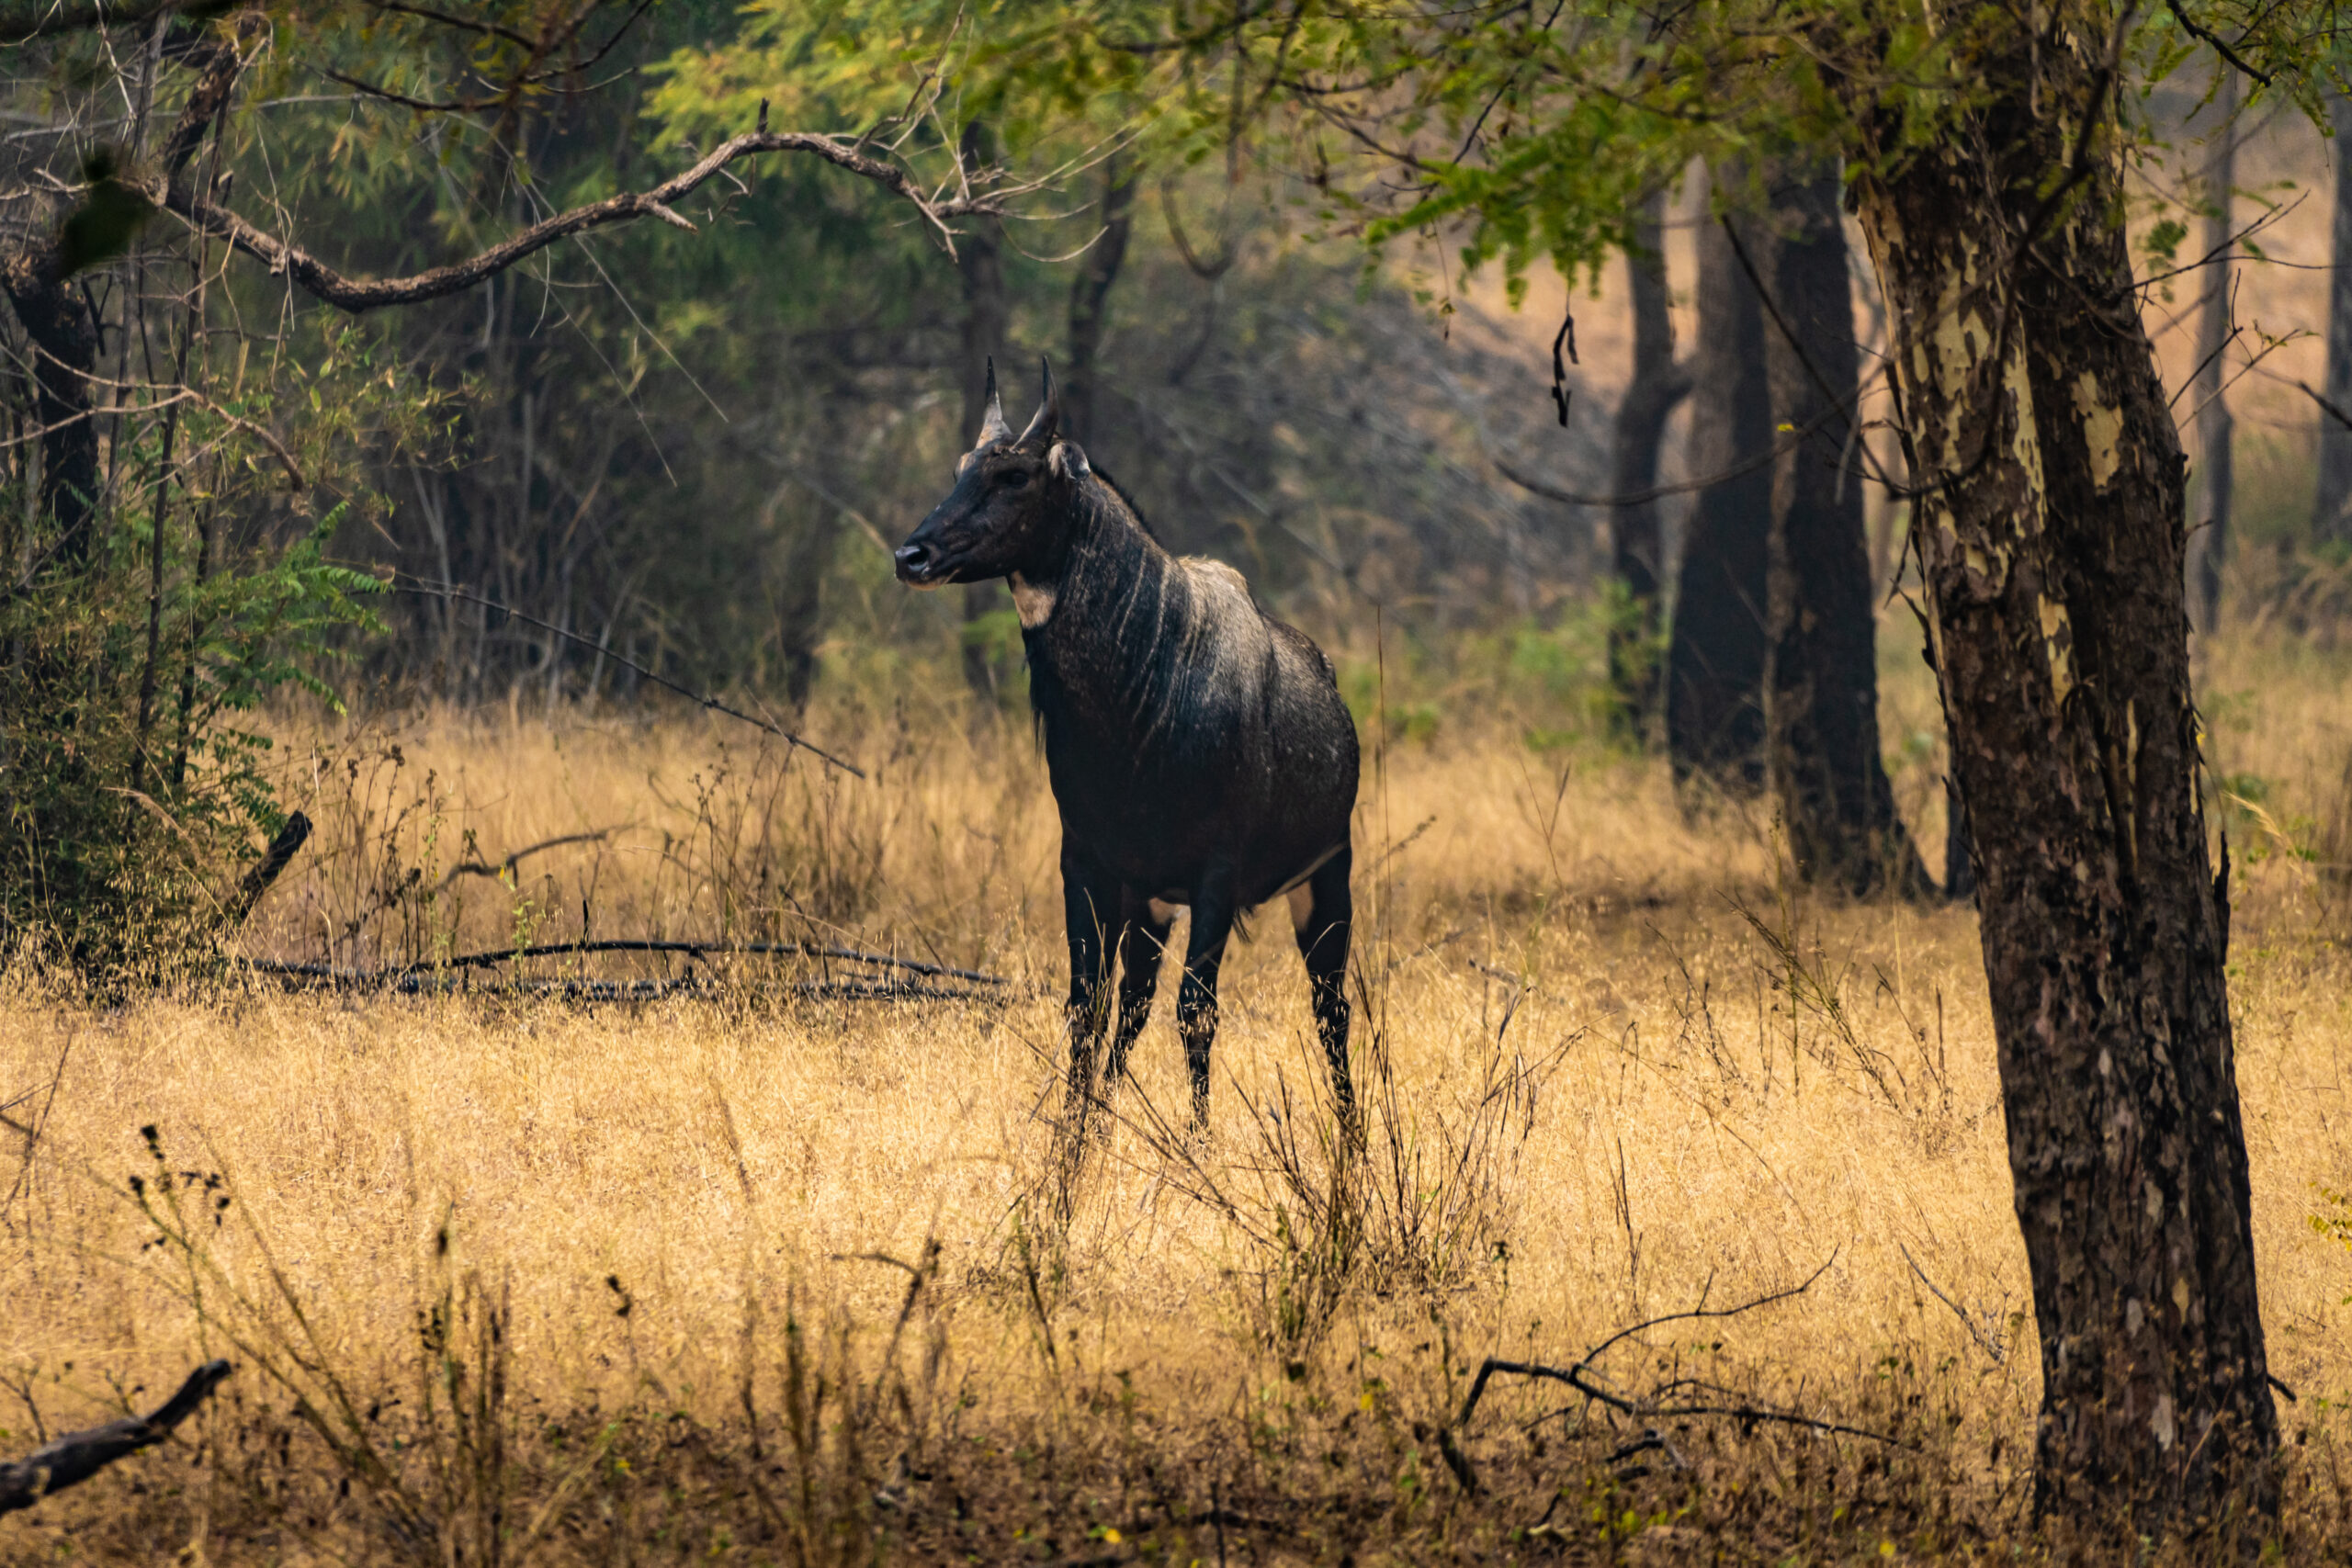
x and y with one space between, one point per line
1298 758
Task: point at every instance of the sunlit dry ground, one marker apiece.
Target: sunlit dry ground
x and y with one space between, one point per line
1628 1072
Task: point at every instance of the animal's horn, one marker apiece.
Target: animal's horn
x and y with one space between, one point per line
1048 417
992 426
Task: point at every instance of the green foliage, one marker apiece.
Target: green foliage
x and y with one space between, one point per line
121 838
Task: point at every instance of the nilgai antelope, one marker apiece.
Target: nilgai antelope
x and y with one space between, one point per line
1200 753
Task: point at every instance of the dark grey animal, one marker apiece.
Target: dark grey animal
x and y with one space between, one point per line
1199 750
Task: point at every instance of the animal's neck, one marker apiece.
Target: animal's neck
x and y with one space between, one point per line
1095 619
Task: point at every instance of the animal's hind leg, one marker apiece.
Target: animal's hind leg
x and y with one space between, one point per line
1141 944
1323 918
1196 1002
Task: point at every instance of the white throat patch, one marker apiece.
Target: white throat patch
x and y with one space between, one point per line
1032 602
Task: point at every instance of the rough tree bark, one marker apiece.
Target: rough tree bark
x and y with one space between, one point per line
2332 508
1714 676
980 263
1090 295
1636 553
2211 547
1821 744
2050 522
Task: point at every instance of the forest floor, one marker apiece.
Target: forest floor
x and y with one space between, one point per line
744 1276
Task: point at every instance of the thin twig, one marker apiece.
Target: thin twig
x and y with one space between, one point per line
2223 50
505 867
1999 1357
1581 1376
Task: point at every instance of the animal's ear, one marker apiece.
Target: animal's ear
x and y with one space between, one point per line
1048 417
1066 461
992 426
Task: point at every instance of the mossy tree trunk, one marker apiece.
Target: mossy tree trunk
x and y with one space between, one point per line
2050 524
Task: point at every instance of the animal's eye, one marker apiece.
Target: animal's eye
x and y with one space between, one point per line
1014 478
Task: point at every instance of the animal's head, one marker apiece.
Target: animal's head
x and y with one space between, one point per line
1010 503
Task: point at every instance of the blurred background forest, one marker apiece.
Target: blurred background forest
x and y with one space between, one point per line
686 448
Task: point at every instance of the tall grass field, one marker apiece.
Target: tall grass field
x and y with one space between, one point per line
785 1260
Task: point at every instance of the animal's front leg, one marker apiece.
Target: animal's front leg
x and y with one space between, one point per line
1091 912
1196 1003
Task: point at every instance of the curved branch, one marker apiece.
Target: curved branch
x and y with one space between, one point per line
77 1456
315 277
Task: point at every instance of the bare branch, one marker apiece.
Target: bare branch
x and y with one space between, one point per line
273 863
77 1456
506 867
2181 14
355 295
488 30
1581 1376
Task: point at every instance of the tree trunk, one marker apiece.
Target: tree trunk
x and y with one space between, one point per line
1959 869
981 267
1636 557
1821 673
1714 692
1090 295
2210 546
2332 509
56 316
2050 526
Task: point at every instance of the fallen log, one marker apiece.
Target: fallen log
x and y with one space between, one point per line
77 1456
407 983
645 944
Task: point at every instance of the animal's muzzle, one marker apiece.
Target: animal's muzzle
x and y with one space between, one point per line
917 564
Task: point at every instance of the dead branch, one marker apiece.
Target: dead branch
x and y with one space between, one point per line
506 867
77 1456
282 850
1582 1376
2329 408
355 295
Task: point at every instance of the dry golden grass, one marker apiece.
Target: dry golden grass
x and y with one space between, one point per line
1711 1088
